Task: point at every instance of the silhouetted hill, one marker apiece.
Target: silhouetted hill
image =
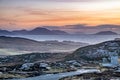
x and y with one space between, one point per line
40 31
5 32
106 33
36 31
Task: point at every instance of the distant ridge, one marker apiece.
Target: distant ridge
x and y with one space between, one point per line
36 31
106 33
5 32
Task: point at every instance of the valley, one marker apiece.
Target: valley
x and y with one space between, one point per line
101 57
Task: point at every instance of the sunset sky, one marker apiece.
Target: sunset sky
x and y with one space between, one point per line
28 14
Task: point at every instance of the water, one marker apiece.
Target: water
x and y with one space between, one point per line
61 75
91 39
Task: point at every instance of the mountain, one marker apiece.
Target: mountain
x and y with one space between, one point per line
40 31
5 32
17 45
96 52
106 33
36 31
44 31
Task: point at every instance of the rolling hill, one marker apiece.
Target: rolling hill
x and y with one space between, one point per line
16 45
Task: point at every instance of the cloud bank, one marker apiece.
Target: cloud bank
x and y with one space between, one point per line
83 28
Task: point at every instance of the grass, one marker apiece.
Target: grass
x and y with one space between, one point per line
57 70
10 76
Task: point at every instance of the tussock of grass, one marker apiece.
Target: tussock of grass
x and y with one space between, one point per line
10 76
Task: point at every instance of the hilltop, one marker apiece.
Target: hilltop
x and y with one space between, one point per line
96 52
106 33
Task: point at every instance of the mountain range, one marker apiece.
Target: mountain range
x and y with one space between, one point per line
36 31
45 31
32 57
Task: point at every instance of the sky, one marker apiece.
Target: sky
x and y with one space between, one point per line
60 14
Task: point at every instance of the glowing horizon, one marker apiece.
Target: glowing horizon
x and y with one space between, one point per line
27 14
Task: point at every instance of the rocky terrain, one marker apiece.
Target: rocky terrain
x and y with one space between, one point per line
96 52
32 57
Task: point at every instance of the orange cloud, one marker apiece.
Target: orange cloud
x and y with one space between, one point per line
27 17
